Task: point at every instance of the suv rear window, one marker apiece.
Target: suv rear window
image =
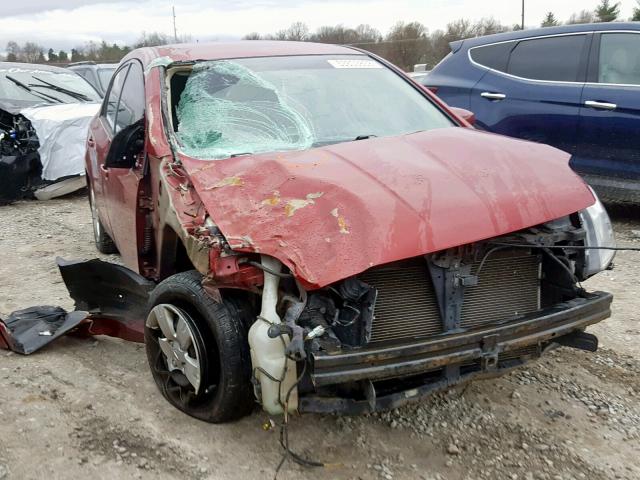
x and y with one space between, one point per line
552 58
493 56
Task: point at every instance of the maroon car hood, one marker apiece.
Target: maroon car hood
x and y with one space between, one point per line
332 212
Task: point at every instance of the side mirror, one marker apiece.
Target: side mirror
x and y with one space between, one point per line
125 146
470 117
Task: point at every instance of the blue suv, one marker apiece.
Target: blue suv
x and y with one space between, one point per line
574 87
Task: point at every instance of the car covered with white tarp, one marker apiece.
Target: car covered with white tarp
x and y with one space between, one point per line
44 117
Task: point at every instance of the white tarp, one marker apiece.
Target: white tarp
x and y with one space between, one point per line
62 133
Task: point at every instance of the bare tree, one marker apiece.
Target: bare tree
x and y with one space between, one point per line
155 39
32 53
367 34
338 34
488 26
298 31
407 44
13 51
585 16
252 36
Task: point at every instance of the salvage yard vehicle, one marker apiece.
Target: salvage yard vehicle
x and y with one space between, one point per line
328 236
44 116
575 87
97 74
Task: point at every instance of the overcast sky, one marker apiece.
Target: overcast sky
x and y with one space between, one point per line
63 24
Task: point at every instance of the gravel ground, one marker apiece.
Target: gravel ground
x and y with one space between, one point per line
89 408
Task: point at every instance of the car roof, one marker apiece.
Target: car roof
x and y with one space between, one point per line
537 32
90 64
240 49
33 66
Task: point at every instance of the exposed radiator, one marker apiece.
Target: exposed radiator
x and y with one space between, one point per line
508 287
406 309
406 306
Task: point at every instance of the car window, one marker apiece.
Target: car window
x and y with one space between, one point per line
619 59
552 58
493 56
131 107
80 71
104 76
114 96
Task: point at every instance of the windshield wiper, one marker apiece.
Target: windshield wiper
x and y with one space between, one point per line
44 96
364 137
325 143
57 88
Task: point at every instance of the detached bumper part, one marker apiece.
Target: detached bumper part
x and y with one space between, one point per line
28 330
109 299
424 367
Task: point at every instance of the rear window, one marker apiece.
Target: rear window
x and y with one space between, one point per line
493 56
552 58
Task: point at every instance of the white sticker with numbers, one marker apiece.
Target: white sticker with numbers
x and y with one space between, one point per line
352 63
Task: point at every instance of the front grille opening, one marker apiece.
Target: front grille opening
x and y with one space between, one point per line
508 288
406 306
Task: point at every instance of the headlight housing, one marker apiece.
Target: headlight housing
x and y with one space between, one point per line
595 220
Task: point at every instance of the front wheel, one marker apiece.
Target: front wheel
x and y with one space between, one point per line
198 351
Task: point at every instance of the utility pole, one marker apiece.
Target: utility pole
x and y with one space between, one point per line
175 32
522 14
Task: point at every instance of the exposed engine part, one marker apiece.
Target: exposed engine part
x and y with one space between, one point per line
20 167
274 373
353 324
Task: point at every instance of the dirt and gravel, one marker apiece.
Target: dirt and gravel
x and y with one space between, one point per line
89 409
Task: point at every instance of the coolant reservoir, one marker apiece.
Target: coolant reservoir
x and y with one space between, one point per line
267 354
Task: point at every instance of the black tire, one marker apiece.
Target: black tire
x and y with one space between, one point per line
103 241
225 392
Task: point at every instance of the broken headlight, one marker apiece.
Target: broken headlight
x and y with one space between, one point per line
595 220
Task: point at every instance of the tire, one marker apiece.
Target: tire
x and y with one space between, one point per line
103 241
221 351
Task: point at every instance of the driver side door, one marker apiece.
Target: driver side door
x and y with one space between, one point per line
124 105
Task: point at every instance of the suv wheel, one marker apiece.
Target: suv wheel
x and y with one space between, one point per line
104 244
198 351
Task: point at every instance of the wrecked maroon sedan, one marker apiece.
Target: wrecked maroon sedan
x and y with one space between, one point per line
328 236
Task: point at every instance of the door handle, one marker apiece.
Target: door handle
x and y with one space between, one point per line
105 171
493 96
91 143
600 105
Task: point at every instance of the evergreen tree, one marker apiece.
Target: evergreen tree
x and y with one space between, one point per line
636 13
606 12
52 56
550 21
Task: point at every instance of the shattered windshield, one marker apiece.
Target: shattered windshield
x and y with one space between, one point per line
256 105
44 86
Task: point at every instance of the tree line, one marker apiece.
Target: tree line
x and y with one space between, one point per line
99 52
406 44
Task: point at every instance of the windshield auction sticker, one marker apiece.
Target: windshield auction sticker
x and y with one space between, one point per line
350 63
